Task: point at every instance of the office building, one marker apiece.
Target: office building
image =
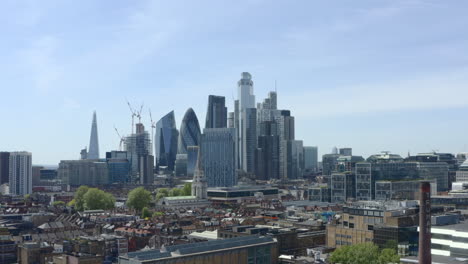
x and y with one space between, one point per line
216 115
180 168
343 187
20 173
311 158
249 139
347 163
346 151
329 162
267 158
390 167
450 240
192 156
376 222
84 172
189 134
93 152
230 120
462 173
4 167
246 124
400 190
242 250
165 141
139 152
118 166
218 150
292 164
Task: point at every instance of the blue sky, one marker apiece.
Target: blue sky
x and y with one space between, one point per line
372 75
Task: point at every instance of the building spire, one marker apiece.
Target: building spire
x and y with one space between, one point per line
93 152
199 184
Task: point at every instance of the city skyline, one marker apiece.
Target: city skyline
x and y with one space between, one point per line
324 67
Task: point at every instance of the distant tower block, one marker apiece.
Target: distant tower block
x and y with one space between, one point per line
425 224
93 152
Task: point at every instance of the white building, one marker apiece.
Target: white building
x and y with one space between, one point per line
20 174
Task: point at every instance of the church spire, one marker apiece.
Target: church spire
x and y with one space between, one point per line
199 184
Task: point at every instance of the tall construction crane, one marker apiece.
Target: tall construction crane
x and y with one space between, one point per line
138 114
122 139
153 125
133 114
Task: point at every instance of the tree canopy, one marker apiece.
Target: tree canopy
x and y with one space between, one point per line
92 199
186 190
364 253
138 198
98 199
79 197
145 213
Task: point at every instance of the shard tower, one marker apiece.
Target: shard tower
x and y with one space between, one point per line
93 152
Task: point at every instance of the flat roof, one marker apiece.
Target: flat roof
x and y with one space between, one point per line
199 248
463 226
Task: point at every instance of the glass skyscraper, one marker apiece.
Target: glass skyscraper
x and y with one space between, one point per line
218 149
165 141
216 115
189 134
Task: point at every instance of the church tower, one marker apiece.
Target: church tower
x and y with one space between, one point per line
199 183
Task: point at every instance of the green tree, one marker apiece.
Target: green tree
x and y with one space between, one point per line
79 197
98 199
388 255
364 253
156 214
138 198
187 189
58 203
175 192
391 244
145 213
162 192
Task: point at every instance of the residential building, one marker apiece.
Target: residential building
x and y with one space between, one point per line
20 173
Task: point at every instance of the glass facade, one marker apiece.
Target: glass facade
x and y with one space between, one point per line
189 134
166 141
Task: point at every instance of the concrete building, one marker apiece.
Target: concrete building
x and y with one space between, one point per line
242 250
343 187
20 173
218 149
140 155
83 172
376 222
